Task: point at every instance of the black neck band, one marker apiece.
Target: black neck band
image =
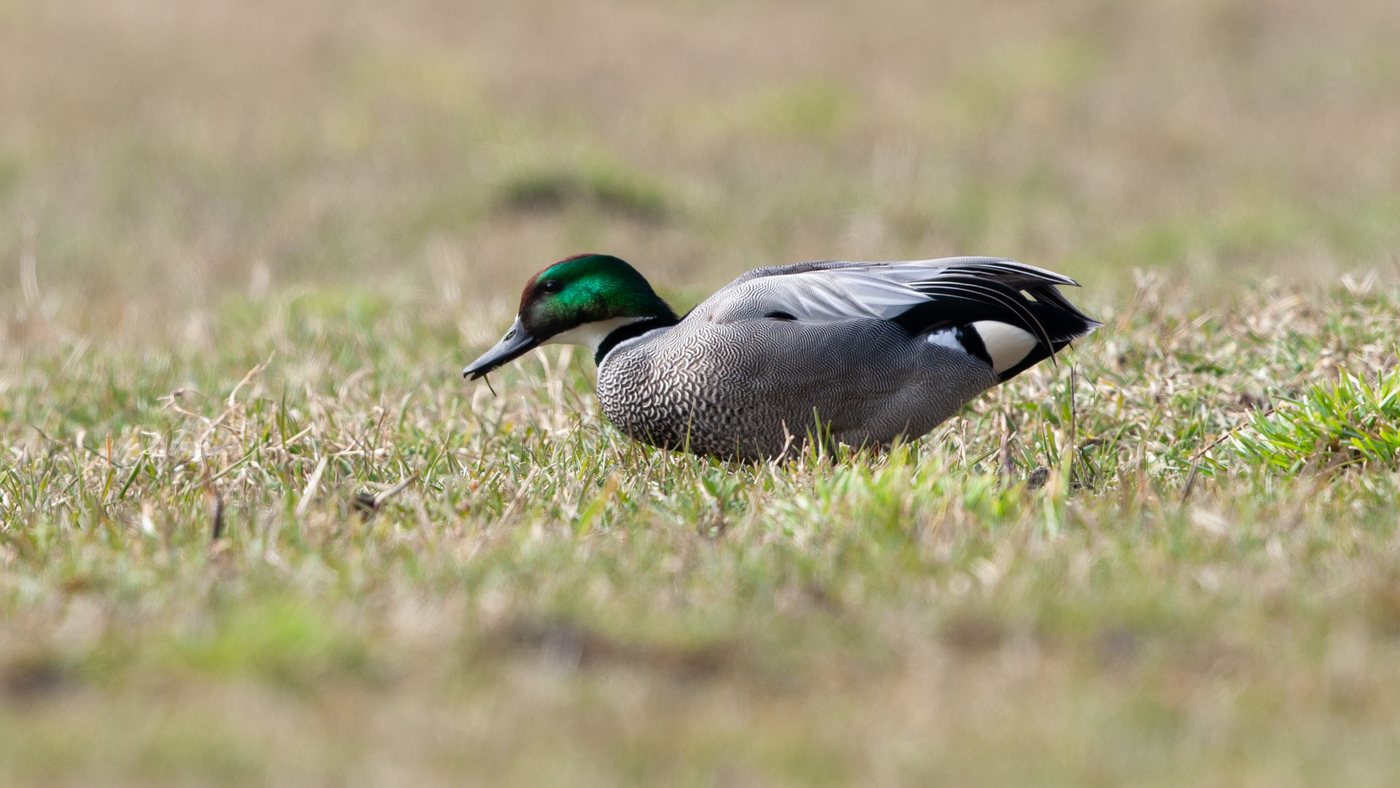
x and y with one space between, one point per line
631 331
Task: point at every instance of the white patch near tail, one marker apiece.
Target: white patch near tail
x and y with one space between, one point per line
948 338
1007 345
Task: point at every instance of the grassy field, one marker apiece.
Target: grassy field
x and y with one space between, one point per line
256 529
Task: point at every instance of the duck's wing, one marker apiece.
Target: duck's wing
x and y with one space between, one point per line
1009 313
838 290
810 292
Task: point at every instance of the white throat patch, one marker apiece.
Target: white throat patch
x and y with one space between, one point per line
591 335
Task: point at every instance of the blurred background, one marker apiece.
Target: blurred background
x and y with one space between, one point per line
159 158
247 246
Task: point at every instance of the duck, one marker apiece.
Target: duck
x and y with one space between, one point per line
837 352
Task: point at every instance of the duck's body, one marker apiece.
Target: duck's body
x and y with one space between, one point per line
857 353
733 389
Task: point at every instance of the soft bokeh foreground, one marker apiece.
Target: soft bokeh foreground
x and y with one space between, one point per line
256 529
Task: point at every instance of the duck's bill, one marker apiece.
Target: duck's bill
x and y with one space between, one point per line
513 345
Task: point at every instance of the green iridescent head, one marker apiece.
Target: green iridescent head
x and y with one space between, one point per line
581 300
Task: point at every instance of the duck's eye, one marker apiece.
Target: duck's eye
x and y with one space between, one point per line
551 286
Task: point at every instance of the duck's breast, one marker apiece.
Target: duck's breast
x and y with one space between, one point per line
756 384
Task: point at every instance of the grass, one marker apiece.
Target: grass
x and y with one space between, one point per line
257 530
559 603
1350 422
598 185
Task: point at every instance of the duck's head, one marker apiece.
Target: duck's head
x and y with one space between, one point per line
580 300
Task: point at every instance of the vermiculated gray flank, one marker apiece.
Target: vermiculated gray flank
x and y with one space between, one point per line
855 353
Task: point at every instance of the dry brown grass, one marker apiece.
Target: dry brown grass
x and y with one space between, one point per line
178 154
344 198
